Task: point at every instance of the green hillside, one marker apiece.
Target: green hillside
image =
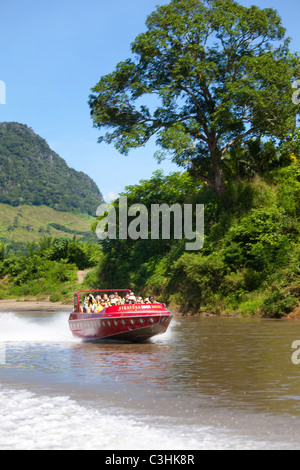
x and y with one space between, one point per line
22 224
31 173
250 261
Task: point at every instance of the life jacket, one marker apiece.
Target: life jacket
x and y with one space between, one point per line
98 307
89 302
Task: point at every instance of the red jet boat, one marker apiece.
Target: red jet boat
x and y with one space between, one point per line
125 322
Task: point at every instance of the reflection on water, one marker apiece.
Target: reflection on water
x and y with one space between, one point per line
208 362
136 363
237 363
241 362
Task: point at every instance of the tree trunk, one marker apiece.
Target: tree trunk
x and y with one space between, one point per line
218 183
215 180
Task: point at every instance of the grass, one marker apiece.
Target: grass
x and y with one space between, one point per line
29 223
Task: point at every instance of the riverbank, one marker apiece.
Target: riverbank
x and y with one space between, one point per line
179 312
13 305
33 305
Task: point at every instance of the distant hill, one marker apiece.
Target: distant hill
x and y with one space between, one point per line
33 174
22 224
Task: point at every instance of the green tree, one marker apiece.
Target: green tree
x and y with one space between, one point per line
219 74
81 254
130 262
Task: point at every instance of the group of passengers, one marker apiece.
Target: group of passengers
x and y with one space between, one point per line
97 304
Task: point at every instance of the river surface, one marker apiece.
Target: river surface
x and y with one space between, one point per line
209 383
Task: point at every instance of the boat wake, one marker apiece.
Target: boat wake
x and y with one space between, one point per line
165 337
54 329
37 422
14 328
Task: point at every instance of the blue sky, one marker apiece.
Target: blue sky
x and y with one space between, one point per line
53 52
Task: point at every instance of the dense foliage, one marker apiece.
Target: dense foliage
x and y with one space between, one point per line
46 268
31 173
250 262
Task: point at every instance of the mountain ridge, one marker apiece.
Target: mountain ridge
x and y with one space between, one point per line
31 173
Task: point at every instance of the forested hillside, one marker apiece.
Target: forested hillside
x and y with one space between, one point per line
222 77
250 261
31 173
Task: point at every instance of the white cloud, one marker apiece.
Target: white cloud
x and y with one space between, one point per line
111 196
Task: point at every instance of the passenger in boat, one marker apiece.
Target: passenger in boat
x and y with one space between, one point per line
126 299
89 303
105 298
100 307
131 298
118 298
97 304
113 300
139 300
152 300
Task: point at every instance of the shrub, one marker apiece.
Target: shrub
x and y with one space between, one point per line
277 305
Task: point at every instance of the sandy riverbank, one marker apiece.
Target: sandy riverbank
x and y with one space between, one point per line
13 305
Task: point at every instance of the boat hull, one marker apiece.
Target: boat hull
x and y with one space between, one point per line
116 324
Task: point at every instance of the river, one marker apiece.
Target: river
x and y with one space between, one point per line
208 383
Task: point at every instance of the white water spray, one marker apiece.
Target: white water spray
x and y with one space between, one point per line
14 328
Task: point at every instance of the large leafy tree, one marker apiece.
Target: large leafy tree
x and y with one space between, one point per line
219 74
